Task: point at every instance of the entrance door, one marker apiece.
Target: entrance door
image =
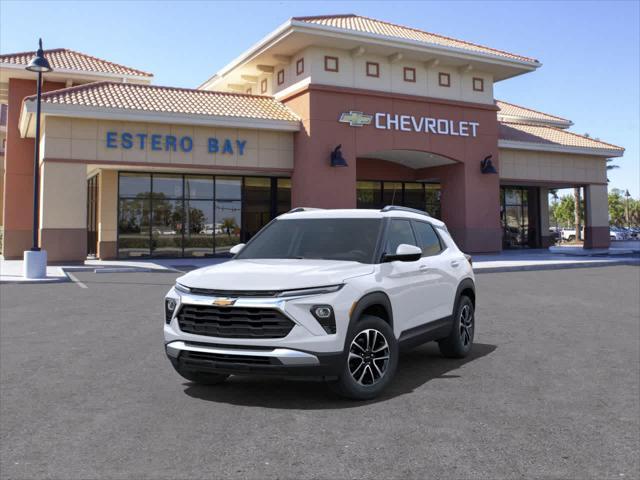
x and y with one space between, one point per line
92 216
519 215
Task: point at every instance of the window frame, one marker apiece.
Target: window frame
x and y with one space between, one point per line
327 59
443 246
280 76
264 85
300 66
443 75
377 67
480 82
407 70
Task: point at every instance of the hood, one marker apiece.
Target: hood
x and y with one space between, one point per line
273 274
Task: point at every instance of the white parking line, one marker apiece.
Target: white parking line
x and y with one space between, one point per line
75 280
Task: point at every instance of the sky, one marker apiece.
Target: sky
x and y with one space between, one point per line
590 51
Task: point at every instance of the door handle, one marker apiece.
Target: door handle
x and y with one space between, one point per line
455 263
423 268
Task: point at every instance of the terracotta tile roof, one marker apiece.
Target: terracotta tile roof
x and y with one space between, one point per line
65 59
517 132
370 25
512 110
152 98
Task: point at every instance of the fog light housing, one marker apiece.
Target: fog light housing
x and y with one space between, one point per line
170 305
325 317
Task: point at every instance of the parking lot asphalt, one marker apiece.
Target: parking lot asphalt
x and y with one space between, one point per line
551 390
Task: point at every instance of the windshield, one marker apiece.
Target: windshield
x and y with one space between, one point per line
349 239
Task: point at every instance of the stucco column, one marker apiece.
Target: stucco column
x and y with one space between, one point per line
315 183
63 207
596 216
546 240
107 214
18 175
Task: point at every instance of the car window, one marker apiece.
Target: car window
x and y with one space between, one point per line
399 232
428 239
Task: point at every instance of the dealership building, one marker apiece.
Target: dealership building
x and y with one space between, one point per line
337 111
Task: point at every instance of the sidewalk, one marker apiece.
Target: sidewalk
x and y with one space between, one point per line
506 261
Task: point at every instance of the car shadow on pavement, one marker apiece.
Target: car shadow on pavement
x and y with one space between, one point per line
416 368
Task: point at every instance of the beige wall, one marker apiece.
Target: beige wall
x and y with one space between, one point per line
80 139
352 73
551 167
63 195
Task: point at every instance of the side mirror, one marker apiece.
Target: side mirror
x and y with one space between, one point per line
404 253
236 248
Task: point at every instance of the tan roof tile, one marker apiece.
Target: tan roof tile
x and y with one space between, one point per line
65 59
153 98
379 27
544 135
513 110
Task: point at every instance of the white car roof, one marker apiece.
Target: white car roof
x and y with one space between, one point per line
358 213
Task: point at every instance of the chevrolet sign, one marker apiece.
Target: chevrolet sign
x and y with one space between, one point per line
355 119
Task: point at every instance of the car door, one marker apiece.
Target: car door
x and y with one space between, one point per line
403 281
436 267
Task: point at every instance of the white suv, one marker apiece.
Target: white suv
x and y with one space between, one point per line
329 293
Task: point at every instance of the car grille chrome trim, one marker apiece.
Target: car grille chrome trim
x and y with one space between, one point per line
285 356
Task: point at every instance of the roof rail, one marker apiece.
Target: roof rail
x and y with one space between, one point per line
303 209
391 208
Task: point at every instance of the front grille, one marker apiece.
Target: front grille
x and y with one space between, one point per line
234 293
209 360
234 322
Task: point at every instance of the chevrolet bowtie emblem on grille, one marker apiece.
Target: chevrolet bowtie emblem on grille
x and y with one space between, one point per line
224 302
356 119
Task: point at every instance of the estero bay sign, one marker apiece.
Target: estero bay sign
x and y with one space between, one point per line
411 123
171 143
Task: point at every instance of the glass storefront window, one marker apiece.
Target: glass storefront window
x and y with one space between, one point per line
198 188
257 205
133 227
173 215
414 196
392 193
369 194
228 221
418 195
283 200
135 185
199 227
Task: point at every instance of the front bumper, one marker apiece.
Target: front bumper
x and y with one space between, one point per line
248 360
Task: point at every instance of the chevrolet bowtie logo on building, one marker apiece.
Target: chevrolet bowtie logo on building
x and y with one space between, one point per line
356 119
224 302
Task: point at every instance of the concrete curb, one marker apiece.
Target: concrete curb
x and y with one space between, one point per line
555 266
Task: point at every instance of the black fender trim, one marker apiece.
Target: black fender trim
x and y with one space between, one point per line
465 284
373 298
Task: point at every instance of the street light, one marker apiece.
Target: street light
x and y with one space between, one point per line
35 260
626 208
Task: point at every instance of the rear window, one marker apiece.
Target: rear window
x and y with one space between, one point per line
428 239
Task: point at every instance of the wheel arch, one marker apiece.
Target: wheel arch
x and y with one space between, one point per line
374 303
466 288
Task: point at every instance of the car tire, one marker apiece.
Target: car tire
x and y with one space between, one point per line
571 238
202 378
459 342
371 339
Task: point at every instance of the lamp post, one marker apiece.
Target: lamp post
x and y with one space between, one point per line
35 260
626 208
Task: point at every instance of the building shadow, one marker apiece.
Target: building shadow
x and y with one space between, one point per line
417 367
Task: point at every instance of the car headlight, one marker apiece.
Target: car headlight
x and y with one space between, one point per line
311 291
181 288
